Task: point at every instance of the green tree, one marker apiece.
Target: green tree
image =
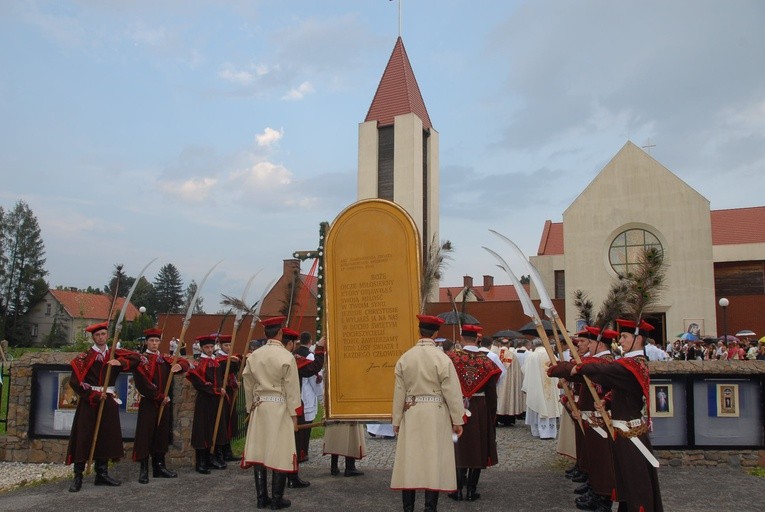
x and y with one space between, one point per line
144 295
119 283
168 288
21 269
59 334
433 269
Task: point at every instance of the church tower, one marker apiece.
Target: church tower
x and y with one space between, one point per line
398 148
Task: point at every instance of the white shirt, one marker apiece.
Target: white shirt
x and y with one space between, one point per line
494 357
654 353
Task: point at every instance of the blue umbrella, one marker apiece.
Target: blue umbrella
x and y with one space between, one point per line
689 336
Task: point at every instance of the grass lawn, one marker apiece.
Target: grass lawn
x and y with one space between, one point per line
4 401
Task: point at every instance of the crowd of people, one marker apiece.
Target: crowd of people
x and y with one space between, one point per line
741 349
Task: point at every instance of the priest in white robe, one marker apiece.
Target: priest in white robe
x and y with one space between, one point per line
543 406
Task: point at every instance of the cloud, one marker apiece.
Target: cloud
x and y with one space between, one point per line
191 190
142 34
269 137
299 92
261 179
245 76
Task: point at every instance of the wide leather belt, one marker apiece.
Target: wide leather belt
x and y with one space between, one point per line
631 429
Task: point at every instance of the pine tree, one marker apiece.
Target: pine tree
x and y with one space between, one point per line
168 288
21 268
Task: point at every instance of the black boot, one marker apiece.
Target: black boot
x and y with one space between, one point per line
201 466
408 499
431 501
79 467
294 481
588 501
158 467
350 467
212 460
143 475
228 455
570 471
219 457
333 469
472 483
102 474
277 491
582 489
579 477
604 505
261 487
457 495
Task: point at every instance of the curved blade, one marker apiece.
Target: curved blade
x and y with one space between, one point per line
544 298
130 295
193 302
528 306
240 313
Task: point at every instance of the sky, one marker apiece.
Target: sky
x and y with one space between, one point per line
199 131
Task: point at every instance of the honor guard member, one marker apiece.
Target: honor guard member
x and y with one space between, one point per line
311 392
87 380
477 447
229 424
272 392
594 446
205 379
637 482
308 366
570 435
151 378
427 412
345 439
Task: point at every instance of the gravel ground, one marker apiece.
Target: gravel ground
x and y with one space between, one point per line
516 448
528 478
17 474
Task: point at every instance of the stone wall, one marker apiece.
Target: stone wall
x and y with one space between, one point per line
732 458
17 446
713 367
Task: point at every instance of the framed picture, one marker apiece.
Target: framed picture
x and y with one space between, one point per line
133 396
694 326
67 398
727 400
662 404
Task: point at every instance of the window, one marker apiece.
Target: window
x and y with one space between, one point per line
560 284
628 247
47 309
34 330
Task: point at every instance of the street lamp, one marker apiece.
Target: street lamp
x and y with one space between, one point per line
724 303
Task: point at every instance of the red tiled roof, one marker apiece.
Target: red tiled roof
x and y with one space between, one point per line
91 305
552 239
498 292
738 226
398 92
729 227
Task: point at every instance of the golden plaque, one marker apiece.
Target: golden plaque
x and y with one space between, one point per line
372 259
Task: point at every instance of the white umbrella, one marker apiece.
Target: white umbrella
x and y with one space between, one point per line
745 332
